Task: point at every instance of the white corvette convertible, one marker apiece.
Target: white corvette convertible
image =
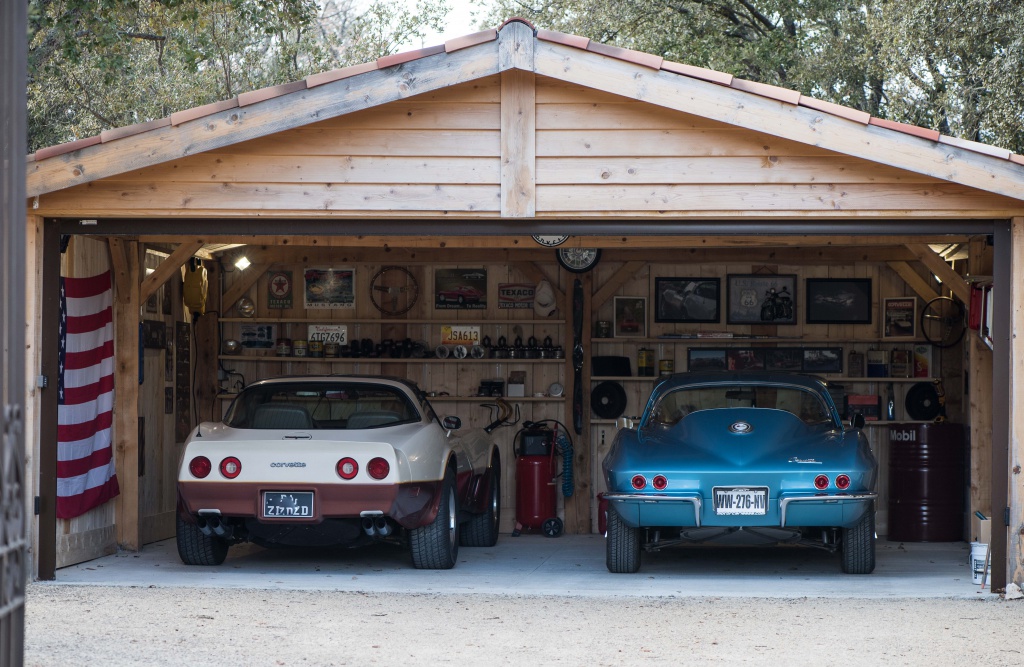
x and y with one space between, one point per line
337 460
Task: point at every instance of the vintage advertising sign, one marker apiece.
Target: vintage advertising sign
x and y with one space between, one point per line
328 333
330 288
460 334
460 288
279 289
899 317
515 295
257 335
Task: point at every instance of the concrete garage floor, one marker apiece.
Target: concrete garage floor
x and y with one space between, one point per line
569 565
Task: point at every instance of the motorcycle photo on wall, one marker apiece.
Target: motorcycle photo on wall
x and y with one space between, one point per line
761 299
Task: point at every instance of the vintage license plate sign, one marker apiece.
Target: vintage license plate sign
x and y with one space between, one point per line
741 500
288 504
329 333
460 334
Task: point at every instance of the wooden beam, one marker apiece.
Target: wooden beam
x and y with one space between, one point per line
242 284
208 407
914 280
516 47
518 144
979 403
533 272
272 116
778 119
126 401
612 285
1015 500
951 280
119 262
169 267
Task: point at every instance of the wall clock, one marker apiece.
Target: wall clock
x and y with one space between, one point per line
550 241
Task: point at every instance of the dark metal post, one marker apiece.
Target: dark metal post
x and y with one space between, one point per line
1002 277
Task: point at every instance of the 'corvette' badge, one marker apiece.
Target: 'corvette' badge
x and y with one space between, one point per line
741 427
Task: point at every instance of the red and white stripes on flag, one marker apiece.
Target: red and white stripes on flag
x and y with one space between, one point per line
85 461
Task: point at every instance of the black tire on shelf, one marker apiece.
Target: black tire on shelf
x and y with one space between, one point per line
857 549
622 545
194 548
552 527
943 321
482 529
436 545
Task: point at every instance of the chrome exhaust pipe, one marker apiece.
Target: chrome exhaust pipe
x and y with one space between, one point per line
220 528
382 526
368 526
204 526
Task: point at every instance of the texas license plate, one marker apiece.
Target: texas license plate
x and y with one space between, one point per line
740 500
288 504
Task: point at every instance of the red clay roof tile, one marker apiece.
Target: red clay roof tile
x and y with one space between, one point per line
31 157
131 130
518 19
697 72
470 40
766 90
1019 159
629 55
70 146
270 92
179 117
984 149
914 130
407 56
849 113
562 38
314 80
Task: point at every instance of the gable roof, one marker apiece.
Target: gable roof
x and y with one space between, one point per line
516 44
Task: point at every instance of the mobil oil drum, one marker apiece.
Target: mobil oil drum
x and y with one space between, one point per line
926 482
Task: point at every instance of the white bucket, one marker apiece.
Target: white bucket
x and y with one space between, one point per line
979 551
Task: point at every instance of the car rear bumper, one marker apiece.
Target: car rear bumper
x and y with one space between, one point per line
691 510
411 504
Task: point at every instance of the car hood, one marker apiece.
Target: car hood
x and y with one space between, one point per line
744 437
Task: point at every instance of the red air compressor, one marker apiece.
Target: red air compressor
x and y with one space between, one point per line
537 480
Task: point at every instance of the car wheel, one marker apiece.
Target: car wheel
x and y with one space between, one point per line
436 545
622 544
194 548
857 549
552 527
482 529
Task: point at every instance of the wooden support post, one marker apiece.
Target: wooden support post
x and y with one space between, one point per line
207 343
979 404
49 358
518 144
126 393
577 508
1015 496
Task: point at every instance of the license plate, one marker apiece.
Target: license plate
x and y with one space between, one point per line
288 504
741 500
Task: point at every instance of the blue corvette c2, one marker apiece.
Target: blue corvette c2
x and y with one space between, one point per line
741 458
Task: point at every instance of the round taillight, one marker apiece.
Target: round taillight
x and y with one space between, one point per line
230 467
659 482
843 482
378 468
639 482
200 467
347 468
821 482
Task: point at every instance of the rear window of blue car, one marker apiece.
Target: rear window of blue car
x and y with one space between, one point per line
320 405
675 405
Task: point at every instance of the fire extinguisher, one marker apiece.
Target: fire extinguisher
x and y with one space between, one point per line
536 446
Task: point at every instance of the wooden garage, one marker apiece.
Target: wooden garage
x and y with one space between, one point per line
463 163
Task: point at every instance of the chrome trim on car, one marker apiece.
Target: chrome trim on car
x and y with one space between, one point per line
649 498
826 498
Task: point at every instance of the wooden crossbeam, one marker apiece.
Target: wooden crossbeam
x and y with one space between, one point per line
950 278
168 267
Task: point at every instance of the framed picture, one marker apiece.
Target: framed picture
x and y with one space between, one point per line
705 359
462 289
687 299
745 359
839 300
823 359
630 316
761 299
899 317
783 359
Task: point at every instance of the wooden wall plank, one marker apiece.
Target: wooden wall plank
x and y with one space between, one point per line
586 113
422 115
518 147
730 142
126 402
389 142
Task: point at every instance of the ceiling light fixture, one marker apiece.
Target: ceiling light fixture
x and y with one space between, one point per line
242 263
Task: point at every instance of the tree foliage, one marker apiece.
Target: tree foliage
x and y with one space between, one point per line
956 66
97 64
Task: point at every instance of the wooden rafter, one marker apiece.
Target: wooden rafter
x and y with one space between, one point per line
950 278
168 267
914 280
612 285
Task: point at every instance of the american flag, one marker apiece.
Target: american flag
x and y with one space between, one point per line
85 462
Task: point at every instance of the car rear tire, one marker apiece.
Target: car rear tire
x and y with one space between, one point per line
857 549
194 548
436 545
622 544
482 529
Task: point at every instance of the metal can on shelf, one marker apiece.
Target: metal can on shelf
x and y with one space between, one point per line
331 349
298 348
316 348
645 362
284 347
666 367
603 329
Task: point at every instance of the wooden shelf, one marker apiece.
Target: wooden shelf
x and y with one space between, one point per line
461 399
871 424
248 358
382 321
747 341
829 378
